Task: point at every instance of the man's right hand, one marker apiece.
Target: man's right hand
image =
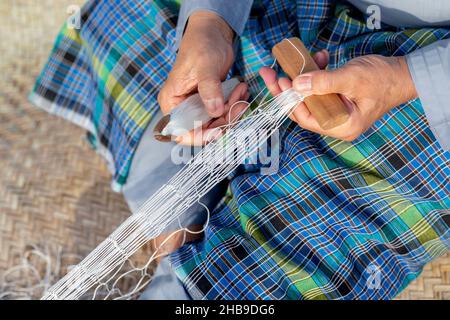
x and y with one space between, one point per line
203 62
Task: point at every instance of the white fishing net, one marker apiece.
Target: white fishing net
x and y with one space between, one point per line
106 265
41 266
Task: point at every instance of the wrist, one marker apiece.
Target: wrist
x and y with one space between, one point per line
407 87
206 20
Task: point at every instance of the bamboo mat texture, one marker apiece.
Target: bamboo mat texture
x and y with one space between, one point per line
54 189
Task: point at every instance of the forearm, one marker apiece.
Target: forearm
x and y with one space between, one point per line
430 71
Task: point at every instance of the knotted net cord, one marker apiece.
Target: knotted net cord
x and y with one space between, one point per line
210 166
235 143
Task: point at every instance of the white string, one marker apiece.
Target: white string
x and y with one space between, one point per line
300 53
186 188
196 179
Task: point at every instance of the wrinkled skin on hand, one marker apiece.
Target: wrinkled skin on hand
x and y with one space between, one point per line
203 62
369 86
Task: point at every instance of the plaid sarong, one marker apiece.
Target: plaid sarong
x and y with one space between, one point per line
339 220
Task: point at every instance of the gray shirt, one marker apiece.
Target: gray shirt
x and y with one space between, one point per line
429 66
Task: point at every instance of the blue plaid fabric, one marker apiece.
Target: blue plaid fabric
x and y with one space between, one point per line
339 220
106 76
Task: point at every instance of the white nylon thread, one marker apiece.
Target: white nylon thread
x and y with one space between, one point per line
187 187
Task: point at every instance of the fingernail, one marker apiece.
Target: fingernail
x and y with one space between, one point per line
214 106
303 83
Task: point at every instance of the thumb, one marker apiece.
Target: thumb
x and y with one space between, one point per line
320 82
210 91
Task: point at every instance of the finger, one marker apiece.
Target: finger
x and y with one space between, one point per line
191 138
210 91
240 93
223 123
213 129
322 58
199 136
284 84
305 119
322 82
209 135
235 112
167 99
270 79
236 106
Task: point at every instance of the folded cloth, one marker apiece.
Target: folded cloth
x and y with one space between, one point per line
339 220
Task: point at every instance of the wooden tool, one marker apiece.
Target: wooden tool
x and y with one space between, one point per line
329 110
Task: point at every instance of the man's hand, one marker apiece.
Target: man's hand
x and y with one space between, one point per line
369 86
203 61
